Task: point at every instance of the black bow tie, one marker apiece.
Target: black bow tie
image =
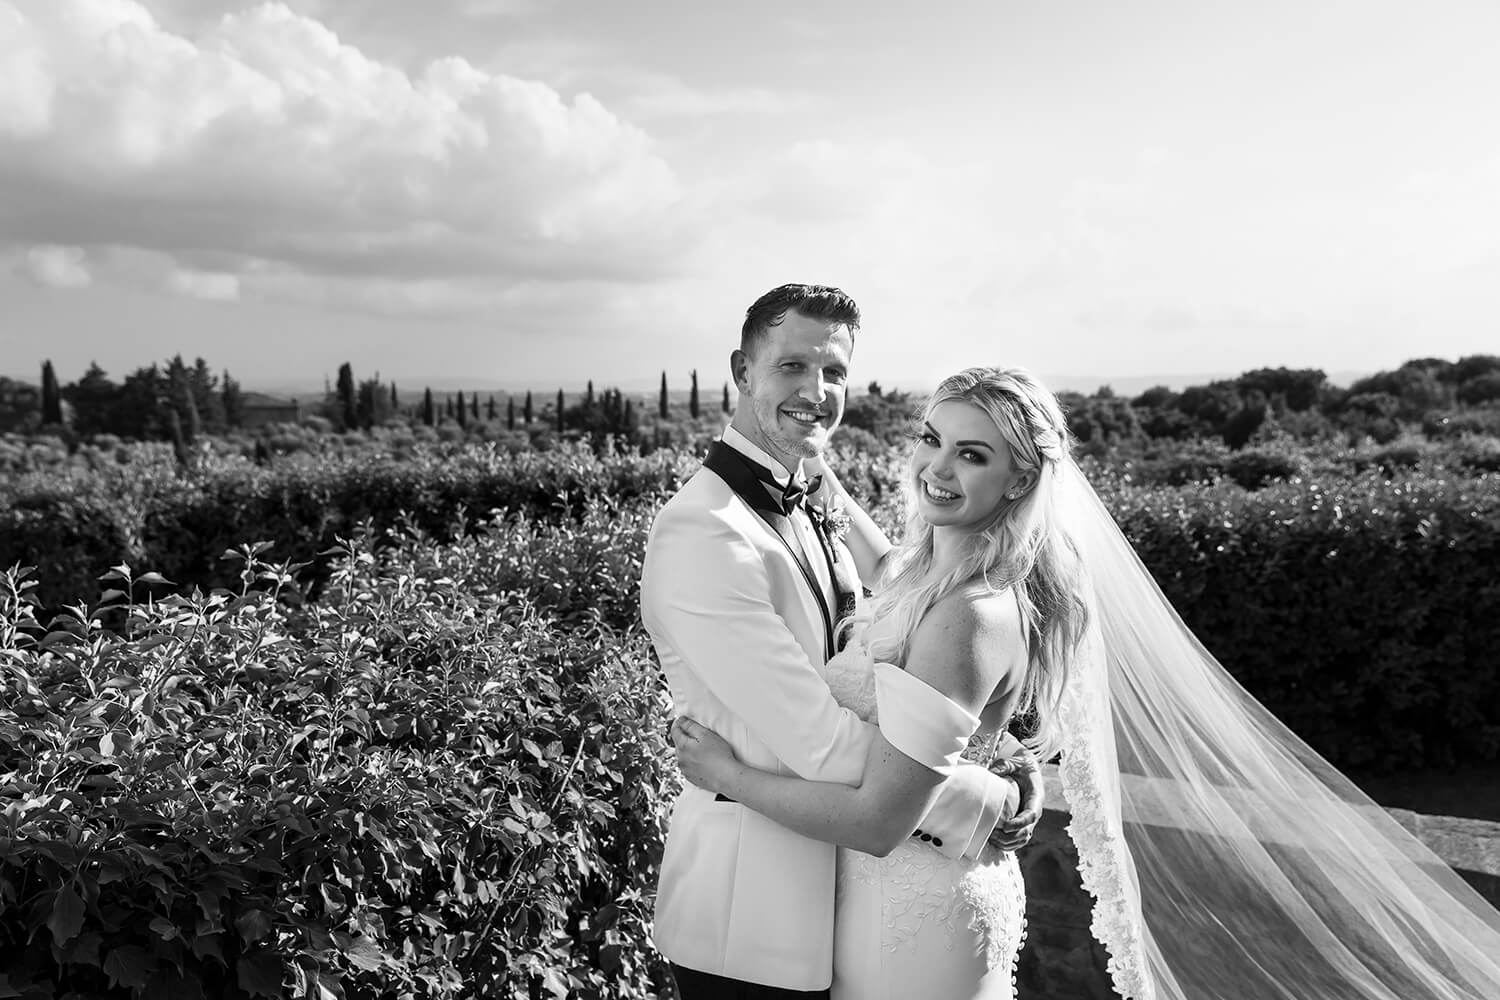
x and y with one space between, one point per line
793 493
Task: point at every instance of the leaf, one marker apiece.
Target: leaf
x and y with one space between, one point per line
164 927
361 952
153 578
67 915
253 924
261 975
128 966
107 745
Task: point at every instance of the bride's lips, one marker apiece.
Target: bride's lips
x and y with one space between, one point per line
944 496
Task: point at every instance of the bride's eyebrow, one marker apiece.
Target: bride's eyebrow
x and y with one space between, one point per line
960 444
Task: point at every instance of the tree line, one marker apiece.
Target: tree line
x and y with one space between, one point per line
179 402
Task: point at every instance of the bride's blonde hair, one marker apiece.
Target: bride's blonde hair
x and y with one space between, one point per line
1024 546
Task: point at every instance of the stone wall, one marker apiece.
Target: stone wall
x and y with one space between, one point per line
1061 960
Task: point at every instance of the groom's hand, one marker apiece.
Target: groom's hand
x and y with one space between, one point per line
1014 833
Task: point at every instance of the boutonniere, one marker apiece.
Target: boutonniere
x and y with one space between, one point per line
835 517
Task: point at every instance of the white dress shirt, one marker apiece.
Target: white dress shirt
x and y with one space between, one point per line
801 523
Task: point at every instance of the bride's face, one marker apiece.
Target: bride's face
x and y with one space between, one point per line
961 467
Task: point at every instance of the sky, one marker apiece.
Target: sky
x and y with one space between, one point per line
521 193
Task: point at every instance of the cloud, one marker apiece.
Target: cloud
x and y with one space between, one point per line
55 267
205 285
272 145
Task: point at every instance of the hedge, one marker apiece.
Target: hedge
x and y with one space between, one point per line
445 779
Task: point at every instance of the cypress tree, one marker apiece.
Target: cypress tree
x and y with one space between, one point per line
510 413
448 407
490 410
429 412
233 401
395 402
726 397
661 404
474 405
463 411
346 397
51 395
559 411
588 397
693 397
528 410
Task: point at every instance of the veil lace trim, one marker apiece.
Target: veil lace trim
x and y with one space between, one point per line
1104 863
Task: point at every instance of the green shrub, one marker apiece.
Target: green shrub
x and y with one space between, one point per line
1253 468
418 787
1363 612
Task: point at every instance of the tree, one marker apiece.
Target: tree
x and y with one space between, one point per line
347 403
588 396
528 411
182 400
93 398
1244 422
203 384
510 413
661 404
369 398
429 412
474 405
395 400
232 399
139 410
725 405
693 397
1297 389
51 395
560 425
490 409
448 407
462 410
1480 389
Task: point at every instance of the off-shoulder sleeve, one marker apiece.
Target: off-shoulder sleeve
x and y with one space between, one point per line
919 720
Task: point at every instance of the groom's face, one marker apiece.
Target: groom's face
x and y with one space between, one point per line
794 381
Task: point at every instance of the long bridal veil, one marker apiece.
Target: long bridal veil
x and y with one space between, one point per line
1227 859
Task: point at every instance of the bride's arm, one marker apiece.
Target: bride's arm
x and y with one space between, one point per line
961 650
867 543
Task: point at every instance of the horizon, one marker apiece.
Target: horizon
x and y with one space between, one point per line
507 186
1131 385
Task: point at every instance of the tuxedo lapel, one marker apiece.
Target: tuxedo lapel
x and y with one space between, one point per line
739 475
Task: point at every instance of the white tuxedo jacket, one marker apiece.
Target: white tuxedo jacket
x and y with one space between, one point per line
740 638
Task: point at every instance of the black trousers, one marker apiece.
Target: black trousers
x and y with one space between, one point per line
694 985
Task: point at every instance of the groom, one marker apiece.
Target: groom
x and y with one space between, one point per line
741 592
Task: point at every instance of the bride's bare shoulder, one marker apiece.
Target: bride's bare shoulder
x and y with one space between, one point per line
966 643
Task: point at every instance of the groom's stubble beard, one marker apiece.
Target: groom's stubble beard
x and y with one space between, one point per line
794 446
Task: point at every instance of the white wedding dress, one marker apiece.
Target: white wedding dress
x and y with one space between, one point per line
916 924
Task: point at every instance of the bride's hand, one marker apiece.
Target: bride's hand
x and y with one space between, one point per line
703 756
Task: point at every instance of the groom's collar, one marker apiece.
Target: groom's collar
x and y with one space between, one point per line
757 454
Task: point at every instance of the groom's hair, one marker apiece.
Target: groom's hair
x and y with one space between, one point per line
813 301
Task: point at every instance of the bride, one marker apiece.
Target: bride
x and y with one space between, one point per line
1226 859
